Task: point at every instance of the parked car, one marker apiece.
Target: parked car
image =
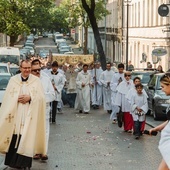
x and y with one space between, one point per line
4 79
4 68
29 44
157 99
31 49
69 53
45 34
36 37
64 49
60 44
43 53
13 69
143 75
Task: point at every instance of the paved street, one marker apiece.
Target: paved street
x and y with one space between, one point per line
92 142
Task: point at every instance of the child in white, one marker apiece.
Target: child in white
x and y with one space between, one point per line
139 107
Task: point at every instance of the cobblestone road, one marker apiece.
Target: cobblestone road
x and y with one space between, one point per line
91 142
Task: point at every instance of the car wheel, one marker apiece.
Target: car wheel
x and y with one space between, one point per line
155 116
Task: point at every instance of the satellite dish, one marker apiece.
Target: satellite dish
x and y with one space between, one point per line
163 10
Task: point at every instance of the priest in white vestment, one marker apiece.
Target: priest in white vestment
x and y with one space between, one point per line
105 78
83 82
123 102
22 124
97 92
49 96
116 80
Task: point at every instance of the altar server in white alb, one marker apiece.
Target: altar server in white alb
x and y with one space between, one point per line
139 108
49 96
133 91
123 102
58 81
97 90
83 82
105 79
116 80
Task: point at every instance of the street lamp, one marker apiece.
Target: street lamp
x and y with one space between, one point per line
127 32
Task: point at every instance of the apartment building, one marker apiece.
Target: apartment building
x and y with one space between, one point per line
146 32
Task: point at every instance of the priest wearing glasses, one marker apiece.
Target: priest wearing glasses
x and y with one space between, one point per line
22 122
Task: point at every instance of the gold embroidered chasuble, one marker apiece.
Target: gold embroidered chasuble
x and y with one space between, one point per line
27 119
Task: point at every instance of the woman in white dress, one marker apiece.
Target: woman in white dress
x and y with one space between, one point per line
164 143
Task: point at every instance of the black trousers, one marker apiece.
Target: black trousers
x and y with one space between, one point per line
15 160
54 110
137 128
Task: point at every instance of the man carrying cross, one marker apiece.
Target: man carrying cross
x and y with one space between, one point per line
22 124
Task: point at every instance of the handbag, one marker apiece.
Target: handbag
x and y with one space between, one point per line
120 118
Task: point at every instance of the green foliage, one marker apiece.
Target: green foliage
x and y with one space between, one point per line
78 16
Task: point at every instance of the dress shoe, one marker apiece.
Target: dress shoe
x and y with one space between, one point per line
44 157
80 111
86 112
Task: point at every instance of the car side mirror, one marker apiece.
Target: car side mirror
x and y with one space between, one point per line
151 87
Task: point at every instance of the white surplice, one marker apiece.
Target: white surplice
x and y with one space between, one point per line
49 96
97 90
83 93
59 81
117 77
122 91
139 100
106 76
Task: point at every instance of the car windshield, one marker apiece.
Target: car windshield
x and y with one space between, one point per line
9 58
13 70
4 79
145 77
158 87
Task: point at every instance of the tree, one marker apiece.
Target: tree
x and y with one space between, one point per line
20 16
87 13
90 8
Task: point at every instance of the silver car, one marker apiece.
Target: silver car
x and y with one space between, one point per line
4 79
157 99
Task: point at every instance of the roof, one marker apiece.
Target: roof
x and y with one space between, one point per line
5 74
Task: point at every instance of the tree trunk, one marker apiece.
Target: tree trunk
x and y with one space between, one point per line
98 40
12 40
93 22
85 40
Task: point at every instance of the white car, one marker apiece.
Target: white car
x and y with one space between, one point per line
4 68
14 69
69 53
4 79
64 49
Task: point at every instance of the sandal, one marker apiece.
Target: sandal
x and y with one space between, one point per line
37 156
44 157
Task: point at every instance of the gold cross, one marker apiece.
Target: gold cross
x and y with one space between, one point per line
7 141
12 92
9 118
34 91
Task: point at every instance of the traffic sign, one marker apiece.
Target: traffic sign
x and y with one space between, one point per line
159 52
163 10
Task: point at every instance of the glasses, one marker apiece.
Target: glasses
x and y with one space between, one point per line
36 70
127 75
26 68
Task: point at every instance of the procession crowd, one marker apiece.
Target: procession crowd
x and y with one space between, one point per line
45 92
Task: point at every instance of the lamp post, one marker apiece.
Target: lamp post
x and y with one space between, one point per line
127 33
